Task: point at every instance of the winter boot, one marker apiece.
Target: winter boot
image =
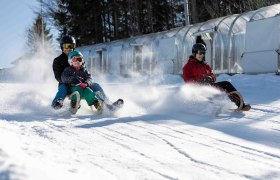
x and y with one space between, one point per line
98 106
118 103
58 104
246 107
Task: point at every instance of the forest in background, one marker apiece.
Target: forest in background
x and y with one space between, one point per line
99 21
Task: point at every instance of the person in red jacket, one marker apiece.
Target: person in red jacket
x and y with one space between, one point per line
198 71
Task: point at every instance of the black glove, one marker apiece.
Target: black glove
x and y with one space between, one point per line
206 80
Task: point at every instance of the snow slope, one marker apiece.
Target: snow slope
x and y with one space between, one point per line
166 130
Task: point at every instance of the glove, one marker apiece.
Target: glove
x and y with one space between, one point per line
82 85
206 80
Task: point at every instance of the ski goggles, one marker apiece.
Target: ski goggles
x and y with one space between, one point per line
201 53
68 46
77 58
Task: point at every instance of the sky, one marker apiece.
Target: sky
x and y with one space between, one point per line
15 17
166 130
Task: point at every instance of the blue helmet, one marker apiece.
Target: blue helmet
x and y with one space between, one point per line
74 53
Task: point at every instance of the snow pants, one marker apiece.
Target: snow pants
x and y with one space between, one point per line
228 87
86 94
225 85
64 90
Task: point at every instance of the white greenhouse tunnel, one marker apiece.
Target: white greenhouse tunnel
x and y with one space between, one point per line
239 43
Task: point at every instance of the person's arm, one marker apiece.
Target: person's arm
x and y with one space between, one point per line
57 70
69 77
88 78
188 75
212 75
209 77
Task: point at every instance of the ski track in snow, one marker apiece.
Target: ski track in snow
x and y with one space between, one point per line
164 131
217 145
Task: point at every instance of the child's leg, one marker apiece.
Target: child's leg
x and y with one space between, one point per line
91 99
89 96
80 91
97 89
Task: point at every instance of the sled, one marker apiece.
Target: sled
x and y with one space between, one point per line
242 107
74 110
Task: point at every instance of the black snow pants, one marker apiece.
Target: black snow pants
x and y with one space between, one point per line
225 85
228 88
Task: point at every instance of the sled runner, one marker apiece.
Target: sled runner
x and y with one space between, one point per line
237 98
74 105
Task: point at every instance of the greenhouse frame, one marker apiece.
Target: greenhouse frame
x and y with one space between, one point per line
238 43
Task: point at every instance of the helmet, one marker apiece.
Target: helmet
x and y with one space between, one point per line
74 53
67 39
198 47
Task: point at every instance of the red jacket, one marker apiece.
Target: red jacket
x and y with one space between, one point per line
195 70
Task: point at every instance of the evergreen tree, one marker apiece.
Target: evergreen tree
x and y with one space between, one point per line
38 36
98 21
203 10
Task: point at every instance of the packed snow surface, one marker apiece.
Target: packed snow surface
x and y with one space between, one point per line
166 130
